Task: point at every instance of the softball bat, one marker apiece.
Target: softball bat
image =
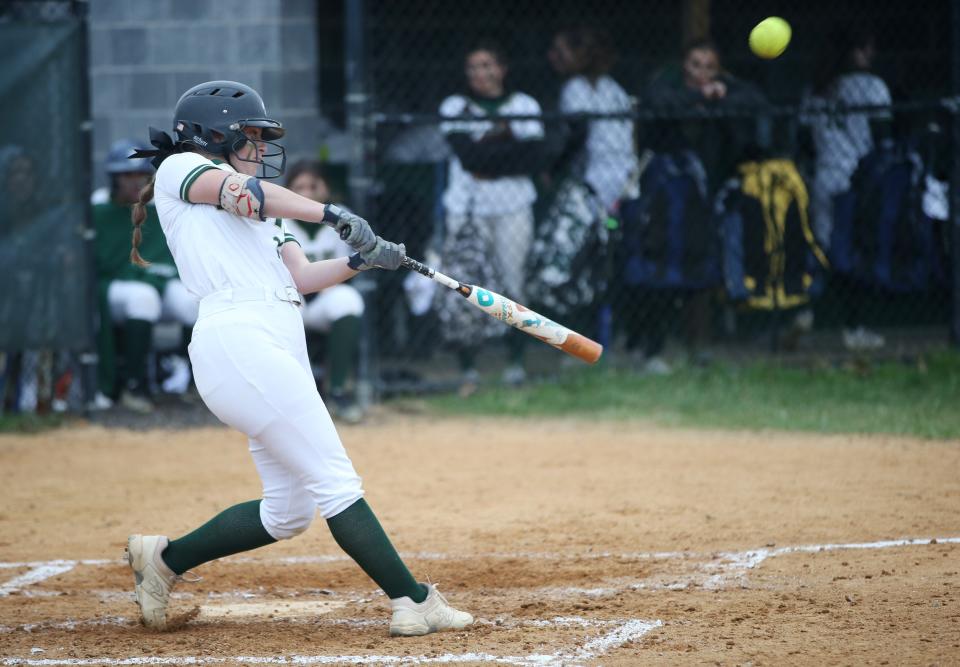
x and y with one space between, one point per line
516 315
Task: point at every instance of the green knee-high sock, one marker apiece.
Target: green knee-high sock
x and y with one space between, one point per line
342 351
235 529
137 338
358 532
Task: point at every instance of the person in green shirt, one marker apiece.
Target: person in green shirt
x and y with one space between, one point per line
132 297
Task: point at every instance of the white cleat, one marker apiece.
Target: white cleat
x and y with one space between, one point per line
153 580
411 619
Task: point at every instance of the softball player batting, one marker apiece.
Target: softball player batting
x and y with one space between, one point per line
249 352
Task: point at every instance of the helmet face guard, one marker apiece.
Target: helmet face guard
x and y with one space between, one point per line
273 162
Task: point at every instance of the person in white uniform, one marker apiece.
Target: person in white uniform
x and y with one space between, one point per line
841 140
488 203
249 352
584 57
336 311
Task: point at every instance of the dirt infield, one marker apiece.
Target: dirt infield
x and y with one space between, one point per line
573 542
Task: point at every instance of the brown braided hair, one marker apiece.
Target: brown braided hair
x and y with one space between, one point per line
137 217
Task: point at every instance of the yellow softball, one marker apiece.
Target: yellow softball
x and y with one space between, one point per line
770 37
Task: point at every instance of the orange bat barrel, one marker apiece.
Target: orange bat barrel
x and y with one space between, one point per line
581 347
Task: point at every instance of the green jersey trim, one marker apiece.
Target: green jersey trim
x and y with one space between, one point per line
190 178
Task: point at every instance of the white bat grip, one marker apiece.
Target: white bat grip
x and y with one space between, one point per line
431 273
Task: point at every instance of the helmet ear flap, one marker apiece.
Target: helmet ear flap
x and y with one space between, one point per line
206 139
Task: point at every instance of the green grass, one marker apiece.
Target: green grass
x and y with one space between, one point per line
28 423
920 398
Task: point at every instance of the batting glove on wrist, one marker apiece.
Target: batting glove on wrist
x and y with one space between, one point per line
384 255
354 230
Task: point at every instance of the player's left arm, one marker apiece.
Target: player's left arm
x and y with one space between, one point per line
230 190
250 197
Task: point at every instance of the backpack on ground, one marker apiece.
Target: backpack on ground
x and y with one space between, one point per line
881 235
771 259
569 255
669 237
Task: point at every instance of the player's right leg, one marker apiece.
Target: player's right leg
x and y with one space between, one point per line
271 395
303 440
264 387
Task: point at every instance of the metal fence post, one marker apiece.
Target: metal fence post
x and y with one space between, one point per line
89 359
359 181
955 169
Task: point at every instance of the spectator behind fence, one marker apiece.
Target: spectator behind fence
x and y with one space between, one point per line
584 57
336 311
671 242
589 163
488 204
841 139
701 83
131 297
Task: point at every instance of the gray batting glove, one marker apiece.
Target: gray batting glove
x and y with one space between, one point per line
383 255
354 230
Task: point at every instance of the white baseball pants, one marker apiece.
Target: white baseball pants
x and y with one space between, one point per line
251 369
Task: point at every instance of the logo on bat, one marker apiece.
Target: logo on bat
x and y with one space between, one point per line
484 298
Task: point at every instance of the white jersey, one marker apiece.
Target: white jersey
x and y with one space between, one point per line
610 158
325 244
841 140
492 196
213 249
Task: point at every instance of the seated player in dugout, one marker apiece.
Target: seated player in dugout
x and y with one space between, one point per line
330 316
132 299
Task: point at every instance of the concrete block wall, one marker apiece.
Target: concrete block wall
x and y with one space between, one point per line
145 53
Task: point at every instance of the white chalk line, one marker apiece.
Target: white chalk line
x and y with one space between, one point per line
418 555
35 575
622 633
722 565
38 563
502 622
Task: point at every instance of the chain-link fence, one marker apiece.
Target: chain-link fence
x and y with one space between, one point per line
629 169
635 172
45 304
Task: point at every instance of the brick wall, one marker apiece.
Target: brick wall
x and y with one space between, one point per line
145 53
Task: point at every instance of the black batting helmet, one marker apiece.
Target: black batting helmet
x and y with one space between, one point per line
211 117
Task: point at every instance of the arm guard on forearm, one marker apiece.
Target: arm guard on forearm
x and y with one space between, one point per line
243 195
